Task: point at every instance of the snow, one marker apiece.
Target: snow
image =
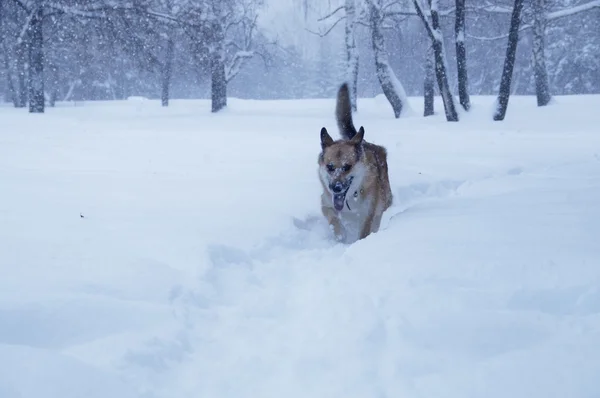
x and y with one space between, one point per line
398 89
151 252
567 12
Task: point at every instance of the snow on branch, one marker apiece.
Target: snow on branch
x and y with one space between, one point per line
572 10
236 64
392 9
567 12
428 27
76 11
246 22
98 9
410 13
483 38
25 28
552 16
493 9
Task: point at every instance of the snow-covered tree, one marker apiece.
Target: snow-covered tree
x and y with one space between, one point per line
461 55
107 49
391 86
573 52
351 51
28 49
509 62
36 57
223 31
429 83
541 17
431 20
542 88
13 53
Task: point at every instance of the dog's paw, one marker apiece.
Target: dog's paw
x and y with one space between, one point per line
338 234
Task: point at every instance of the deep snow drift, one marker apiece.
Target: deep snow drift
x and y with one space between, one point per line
149 252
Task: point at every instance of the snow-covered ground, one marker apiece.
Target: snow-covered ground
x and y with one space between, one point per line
149 252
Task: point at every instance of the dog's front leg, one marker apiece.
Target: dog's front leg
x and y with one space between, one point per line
366 229
368 224
376 223
334 223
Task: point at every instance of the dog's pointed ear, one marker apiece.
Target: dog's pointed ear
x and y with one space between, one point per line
359 136
326 139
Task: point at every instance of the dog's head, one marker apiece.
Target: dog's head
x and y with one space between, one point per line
339 164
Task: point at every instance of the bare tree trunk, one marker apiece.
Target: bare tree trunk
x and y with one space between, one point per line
542 87
218 83
509 61
84 90
428 84
461 55
216 41
21 90
167 69
435 34
36 62
390 85
217 68
352 52
9 84
53 95
167 64
9 81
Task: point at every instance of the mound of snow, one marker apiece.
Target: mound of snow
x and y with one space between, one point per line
135 98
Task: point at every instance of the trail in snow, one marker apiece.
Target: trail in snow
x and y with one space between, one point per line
390 324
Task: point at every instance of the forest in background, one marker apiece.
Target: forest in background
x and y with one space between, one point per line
82 50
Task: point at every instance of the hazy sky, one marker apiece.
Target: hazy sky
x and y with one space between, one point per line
285 20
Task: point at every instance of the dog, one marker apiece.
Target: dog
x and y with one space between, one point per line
354 177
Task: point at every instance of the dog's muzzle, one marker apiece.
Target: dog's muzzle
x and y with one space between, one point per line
337 187
340 189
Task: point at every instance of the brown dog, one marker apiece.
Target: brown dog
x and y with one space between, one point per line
354 175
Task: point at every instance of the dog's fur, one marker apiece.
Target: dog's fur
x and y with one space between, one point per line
354 176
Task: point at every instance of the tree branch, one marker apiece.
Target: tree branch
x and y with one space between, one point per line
21 5
553 16
25 27
236 63
572 10
421 15
328 30
331 13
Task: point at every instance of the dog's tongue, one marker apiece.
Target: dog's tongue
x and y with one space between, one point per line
338 201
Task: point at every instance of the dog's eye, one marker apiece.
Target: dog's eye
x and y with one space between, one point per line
330 168
346 167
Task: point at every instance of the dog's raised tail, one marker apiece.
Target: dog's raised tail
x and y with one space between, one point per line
343 113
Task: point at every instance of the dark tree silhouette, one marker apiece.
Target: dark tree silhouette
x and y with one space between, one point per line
461 55
392 89
429 83
509 61
542 89
441 68
36 60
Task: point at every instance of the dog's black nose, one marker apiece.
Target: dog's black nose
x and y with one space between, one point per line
337 187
